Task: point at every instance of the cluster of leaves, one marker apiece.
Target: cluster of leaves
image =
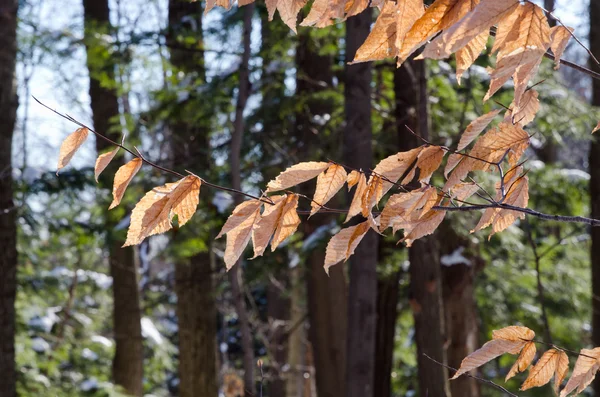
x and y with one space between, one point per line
553 363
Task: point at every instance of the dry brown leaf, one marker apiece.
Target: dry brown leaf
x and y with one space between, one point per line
586 366
485 14
210 4
523 361
238 238
429 160
596 128
559 38
288 11
353 179
103 161
70 146
466 56
439 16
452 162
323 13
528 107
372 195
329 182
475 128
342 245
393 167
397 206
523 51
296 174
239 215
544 369
154 212
387 36
265 227
462 191
288 222
506 340
124 175
562 368
356 205
424 226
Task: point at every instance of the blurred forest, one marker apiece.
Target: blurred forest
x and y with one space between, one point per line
237 99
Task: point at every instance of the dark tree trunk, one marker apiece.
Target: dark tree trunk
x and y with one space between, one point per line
196 309
358 153
387 311
326 295
235 273
128 360
8 225
425 286
594 161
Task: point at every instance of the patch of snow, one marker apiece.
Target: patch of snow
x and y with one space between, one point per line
39 345
574 175
222 200
150 331
89 354
455 258
45 323
223 347
101 340
89 385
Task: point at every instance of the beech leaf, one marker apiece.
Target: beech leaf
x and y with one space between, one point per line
342 245
103 161
70 146
329 183
296 174
585 370
124 175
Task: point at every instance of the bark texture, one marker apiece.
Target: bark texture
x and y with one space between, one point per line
358 153
8 226
128 360
594 163
196 309
326 295
425 285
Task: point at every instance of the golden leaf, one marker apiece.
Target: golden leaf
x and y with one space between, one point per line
323 12
526 48
153 214
506 340
210 4
70 146
424 226
288 11
596 128
393 167
562 367
124 175
239 215
544 369
103 161
265 227
523 361
429 160
528 107
357 200
397 207
372 195
288 222
586 366
439 16
353 179
329 182
559 38
238 238
475 128
466 56
296 174
381 42
452 162
485 14
342 245
462 191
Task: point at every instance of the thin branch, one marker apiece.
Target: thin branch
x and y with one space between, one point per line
482 380
540 286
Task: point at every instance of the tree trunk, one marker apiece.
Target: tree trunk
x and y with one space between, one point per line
326 295
235 273
8 214
190 143
387 312
426 286
128 360
358 153
594 161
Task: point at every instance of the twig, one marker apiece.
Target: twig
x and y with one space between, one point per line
540 286
482 380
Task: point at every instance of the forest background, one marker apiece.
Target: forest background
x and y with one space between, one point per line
165 318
